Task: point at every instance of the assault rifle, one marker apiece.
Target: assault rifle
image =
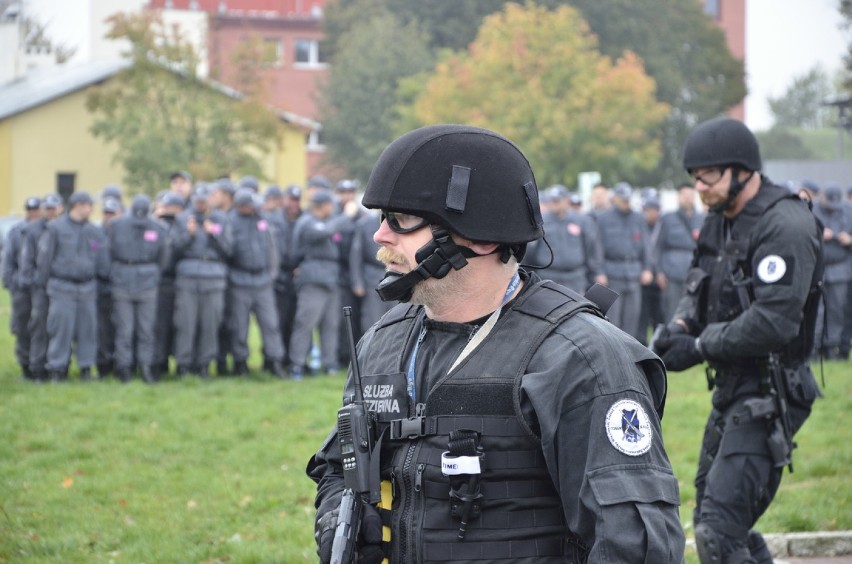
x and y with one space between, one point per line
780 447
356 437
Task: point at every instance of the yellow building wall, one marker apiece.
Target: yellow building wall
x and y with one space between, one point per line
54 138
286 163
5 167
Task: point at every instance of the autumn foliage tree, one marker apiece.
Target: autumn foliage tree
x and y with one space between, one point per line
163 117
536 76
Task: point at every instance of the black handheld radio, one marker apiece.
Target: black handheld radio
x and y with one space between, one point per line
356 436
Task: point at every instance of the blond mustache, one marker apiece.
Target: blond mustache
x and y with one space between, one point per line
387 257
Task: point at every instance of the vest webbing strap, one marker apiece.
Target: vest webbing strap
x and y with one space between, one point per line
493 550
415 427
495 490
495 518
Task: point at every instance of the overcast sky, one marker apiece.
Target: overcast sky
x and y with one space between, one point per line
784 39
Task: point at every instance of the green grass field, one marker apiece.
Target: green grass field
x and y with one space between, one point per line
190 471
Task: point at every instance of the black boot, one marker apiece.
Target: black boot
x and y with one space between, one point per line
149 374
267 364
203 372
85 374
182 370
222 368
277 369
56 376
104 370
25 373
124 374
240 368
39 376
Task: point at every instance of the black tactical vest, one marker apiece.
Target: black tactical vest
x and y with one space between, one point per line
519 517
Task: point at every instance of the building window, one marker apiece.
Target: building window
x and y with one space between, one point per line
309 53
65 182
713 8
315 140
273 52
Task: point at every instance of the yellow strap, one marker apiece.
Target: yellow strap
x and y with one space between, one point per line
387 503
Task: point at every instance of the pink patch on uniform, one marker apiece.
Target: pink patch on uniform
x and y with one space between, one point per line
262 225
637 236
337 237
215 228
574 229
151 236
695 233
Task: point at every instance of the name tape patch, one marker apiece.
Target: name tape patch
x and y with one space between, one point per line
457 465
628 428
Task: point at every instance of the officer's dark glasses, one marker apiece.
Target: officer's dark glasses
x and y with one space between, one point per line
708 176
403 222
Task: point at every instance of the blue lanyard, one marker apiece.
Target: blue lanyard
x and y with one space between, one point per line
410 377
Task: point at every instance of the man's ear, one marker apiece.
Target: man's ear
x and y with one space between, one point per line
482 248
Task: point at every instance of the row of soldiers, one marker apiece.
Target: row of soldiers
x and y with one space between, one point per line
642 256
181 276
645 256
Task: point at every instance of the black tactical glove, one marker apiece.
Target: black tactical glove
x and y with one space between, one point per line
680 351
369 538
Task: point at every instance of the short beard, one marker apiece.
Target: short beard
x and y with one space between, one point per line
431 292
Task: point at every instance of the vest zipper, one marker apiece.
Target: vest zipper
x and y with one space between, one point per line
418 480
406 509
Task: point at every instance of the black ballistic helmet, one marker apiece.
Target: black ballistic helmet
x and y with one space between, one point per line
721 141
469 180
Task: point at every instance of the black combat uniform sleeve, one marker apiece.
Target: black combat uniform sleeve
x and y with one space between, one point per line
619 495
784 248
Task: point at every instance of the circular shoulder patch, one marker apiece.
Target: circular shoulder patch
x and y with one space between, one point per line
628 428
771 269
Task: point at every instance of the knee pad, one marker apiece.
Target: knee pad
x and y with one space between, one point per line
708 544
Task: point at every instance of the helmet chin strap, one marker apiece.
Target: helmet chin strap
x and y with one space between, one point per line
736 187
435 259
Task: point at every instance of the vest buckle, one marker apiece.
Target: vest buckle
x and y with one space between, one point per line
411 428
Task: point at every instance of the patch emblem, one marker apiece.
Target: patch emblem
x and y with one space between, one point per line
771 269
628 428
574 229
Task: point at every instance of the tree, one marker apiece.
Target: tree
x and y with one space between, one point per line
357 104
801 105
34 33
535 75
163 117
682 50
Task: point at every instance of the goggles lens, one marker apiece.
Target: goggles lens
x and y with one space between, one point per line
403 222
708 176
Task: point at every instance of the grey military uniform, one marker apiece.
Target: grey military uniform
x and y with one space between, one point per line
673 250
317 254
626 254
200 282
106 336
20 294
576 247
252 271
836 278
28 278
367 271
138 252
164 326
71 255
